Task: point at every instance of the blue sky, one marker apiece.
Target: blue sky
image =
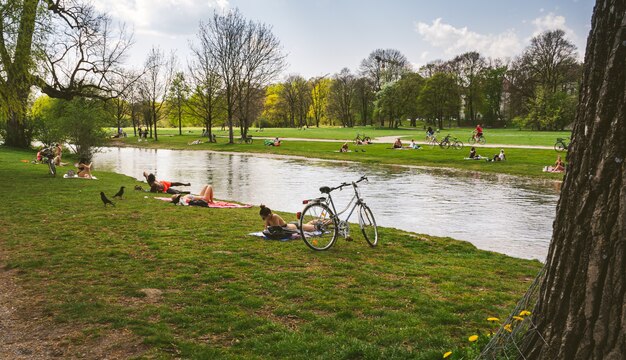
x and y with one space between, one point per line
323 36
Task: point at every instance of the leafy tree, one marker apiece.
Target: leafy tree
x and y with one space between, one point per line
409 88
364 99
38 46
493 90
440 98
275 110
320 88
468 67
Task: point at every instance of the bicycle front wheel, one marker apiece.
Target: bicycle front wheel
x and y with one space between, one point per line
471 140
559 147
444 145
368 225
52 168
318 226
249 141
458 145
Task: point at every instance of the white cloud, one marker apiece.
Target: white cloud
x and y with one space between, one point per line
552 22
161 17
455 40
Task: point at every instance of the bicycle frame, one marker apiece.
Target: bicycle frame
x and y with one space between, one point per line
357 203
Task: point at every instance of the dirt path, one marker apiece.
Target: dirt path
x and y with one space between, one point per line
26 332
391 139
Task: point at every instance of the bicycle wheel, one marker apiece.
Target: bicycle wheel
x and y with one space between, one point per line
458 145
471 140
325 234
482 140
368 225
444 144
249 141
239 141
367 139
559 146
52 168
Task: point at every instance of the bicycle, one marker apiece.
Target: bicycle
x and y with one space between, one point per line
322 214
247 140
432 140
365 139
480 139
561 144
455 143
47 156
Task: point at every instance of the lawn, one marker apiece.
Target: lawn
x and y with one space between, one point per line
521 162
222 294
493 136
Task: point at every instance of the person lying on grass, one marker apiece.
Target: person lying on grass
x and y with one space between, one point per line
272 219
162 185
203 199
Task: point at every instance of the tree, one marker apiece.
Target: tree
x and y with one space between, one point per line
409 88
582 298
341 97
275 109
206 102
65 48
440 98
383 66
493 85
155 84
247 57
320 87
364 99
177 97
468 68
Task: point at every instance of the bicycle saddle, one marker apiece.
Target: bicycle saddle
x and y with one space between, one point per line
325 190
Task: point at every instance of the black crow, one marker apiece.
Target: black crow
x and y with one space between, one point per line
105 201
119 193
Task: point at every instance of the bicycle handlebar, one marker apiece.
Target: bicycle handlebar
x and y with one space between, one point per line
344 184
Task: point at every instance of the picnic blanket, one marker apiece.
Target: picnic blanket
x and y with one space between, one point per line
215 204
65 176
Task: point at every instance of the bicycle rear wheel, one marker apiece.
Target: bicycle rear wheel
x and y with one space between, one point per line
471 140
482 140
444 144
559 146
368 225
249 141
325 223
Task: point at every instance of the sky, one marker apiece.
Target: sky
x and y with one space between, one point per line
323 36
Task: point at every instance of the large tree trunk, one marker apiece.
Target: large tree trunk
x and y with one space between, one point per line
581 311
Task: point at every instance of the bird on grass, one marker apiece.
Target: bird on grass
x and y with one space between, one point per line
105 200
119 193
138 188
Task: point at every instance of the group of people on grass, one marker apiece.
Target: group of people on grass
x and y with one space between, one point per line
501 156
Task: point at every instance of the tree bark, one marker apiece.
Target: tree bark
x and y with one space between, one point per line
581 311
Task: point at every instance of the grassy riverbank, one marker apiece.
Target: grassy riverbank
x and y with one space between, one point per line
521 162
494 136
189 283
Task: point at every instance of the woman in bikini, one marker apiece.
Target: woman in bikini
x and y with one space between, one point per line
205 197
272 219
162 185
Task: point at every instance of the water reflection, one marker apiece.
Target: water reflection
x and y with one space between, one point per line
496 212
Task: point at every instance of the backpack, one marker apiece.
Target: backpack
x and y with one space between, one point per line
278 232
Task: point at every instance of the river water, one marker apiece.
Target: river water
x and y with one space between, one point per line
506 214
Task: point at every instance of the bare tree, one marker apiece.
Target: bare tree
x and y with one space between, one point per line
581 309
247 56
159 73
383 66
178 96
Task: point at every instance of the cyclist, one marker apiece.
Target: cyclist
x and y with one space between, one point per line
478 132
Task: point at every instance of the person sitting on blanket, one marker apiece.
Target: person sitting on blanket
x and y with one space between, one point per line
558 166
397 144
272 219
203 199
414 145
84 170
344 147
162 185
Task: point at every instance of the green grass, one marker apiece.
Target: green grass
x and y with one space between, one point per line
494 136
227 295
521 162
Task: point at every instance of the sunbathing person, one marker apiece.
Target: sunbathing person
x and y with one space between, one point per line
203 199
272 219
397 144
84 170
559 166
344 147
162 185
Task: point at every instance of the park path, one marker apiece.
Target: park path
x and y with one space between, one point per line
391 139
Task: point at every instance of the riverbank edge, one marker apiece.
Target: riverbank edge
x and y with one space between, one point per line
250 152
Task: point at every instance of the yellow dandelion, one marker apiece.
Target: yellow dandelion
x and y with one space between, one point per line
524 313
518 318
314 242
507 327
473 338
493 319
447 354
